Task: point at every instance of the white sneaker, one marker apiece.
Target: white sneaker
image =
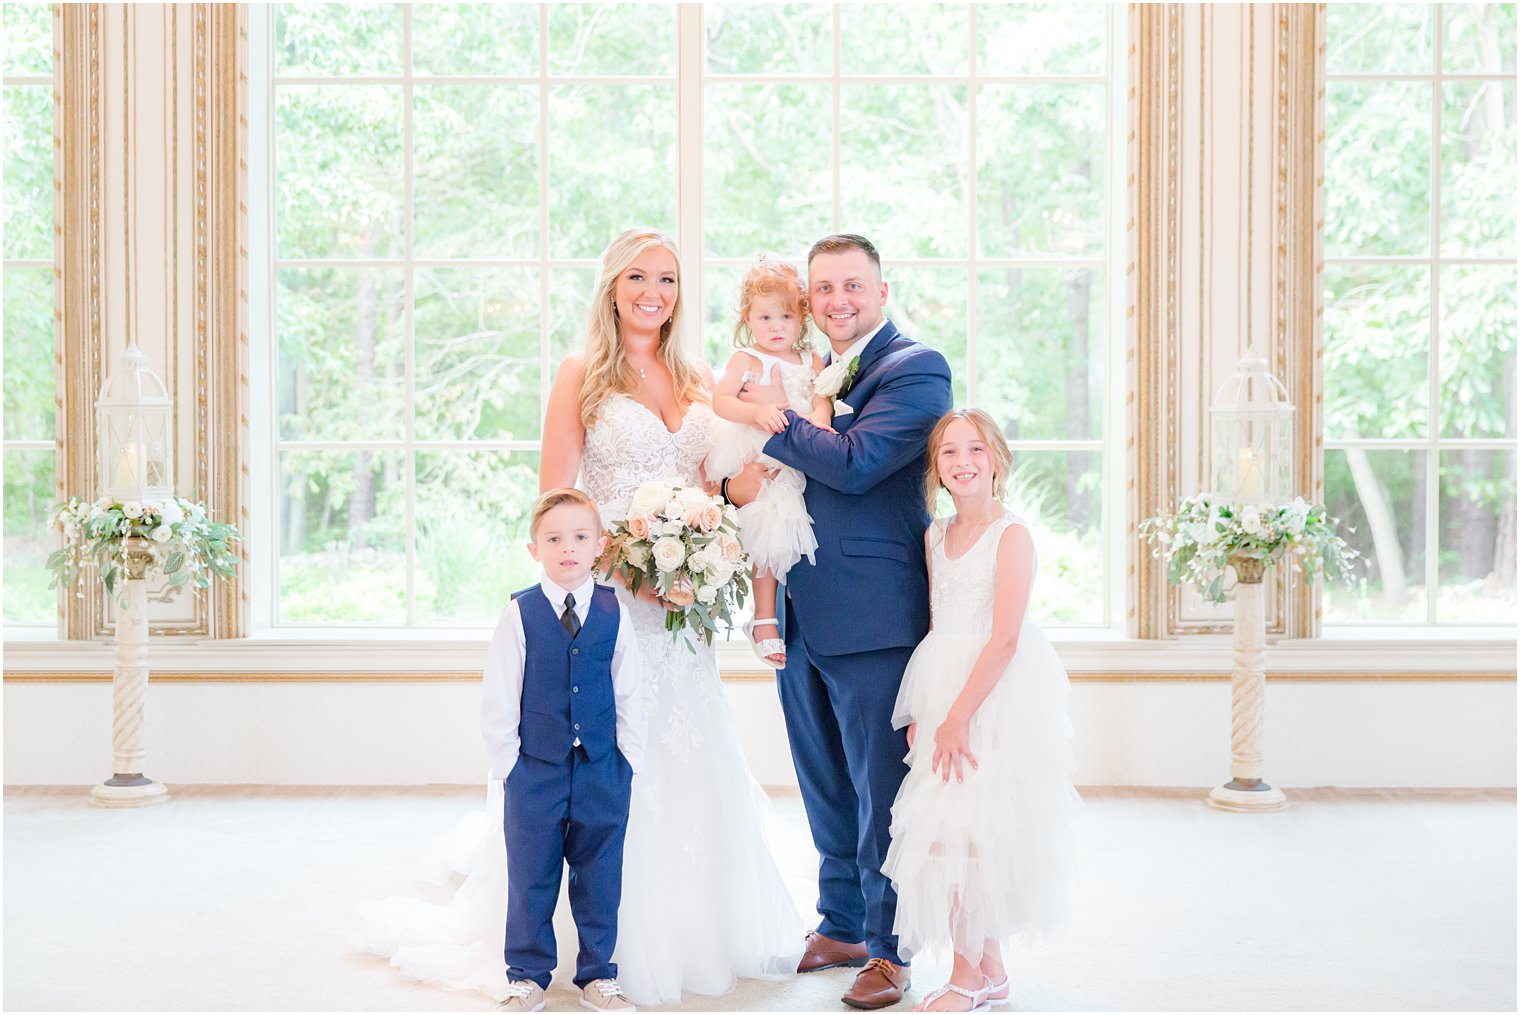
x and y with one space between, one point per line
523 995
605 995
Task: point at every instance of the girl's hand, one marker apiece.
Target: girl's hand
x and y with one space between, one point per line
912 732
951 743
822 420
770 417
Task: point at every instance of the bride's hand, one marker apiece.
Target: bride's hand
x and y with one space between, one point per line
952 742
912 732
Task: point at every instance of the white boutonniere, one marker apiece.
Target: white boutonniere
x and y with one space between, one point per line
835 379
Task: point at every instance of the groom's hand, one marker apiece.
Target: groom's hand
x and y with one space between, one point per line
745 486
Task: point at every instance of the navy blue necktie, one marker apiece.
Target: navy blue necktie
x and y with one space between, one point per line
568 618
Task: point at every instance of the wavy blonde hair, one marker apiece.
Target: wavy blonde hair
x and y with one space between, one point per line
770 276
997 447
606 367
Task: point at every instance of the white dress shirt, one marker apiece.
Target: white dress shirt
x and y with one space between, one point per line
501 703
859 346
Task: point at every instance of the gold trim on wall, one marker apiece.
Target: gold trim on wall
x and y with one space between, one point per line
747 677
77 274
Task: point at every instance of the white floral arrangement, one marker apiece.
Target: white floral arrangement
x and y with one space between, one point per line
1205 532
682 543
186 545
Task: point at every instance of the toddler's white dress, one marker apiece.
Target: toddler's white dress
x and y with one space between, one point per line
991 857
775 527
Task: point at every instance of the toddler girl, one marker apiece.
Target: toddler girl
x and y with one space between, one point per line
772 369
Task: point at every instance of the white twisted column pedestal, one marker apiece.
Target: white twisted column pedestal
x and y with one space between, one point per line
129 690
1248 698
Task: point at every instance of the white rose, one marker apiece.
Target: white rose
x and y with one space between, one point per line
648 497
162 534
132 509
1207 533
831 378
674 510
1250 519
707 595
172 514
699 560
692 497
669 553
721 572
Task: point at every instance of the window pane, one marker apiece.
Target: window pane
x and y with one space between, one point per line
1060 495
1377 168
1479 38
903 167
29 498
1478 351
29 364
342 533
1379 498
476 170
760 154
338 151
28 39
768 39
1371 38
342 354
1040 170
485 39
902 39
477 354
929 306
1041 38
1377 351
1478 169
1477 538
721 313
569 303
337 40
612 39
472 527
1040 340
612 164
29 171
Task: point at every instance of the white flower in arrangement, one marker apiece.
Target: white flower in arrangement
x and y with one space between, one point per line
1208 532
691 498
162 534
707 595
1250 519
648 498
638 555
674 527
132 509
669 553
171 512
700 560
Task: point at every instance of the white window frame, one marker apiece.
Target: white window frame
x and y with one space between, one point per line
1433 444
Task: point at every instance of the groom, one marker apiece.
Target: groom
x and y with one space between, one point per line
855 615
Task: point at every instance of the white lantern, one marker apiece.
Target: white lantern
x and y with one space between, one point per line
132 421
1253 436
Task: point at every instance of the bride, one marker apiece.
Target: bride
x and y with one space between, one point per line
703 900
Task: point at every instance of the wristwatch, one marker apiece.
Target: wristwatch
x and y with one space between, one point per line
723 490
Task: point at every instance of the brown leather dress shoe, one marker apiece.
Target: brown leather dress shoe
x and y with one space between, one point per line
879 984
826 953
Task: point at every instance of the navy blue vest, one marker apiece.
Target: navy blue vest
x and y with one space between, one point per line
567 682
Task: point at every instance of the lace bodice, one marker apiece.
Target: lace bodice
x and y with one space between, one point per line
961 590
628 445
796 378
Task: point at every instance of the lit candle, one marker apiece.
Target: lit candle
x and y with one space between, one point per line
126 470
1250 484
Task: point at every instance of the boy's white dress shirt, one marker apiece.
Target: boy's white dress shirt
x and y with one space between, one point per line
501 703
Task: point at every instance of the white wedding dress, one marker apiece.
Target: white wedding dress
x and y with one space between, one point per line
703 900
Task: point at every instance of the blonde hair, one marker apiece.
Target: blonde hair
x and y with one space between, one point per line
987 429
558 497
771 277
606 367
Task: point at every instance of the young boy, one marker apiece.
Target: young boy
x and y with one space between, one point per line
563 729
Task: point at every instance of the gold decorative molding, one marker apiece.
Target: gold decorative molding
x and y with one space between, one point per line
747 677
78 313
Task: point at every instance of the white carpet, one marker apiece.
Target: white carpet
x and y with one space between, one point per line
232 898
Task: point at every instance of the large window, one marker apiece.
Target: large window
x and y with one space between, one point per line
444 176
1420 246
29 355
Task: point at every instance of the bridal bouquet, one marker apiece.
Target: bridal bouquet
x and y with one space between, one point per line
186 545
683 544
1206 532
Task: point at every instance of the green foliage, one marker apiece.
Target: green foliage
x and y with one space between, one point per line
27 39
29 171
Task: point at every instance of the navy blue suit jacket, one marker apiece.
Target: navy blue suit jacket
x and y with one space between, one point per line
869 588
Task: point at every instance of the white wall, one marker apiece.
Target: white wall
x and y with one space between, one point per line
1435 733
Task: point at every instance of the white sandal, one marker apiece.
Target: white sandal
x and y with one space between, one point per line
1003 995
766 646
978 998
